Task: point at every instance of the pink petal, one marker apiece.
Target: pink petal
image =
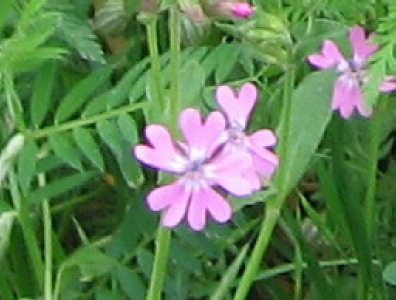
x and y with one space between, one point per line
237 108
164 196
266 165
196 214
178 205
361 48
201 137
329 56
263 138
347 95
162 153
389 84
228 172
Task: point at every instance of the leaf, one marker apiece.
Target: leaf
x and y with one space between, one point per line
91 261
226 62
9 153
309 115
228 278
130 169
79 36
6 222
42 92
130 282
88 146
64 148
389 273
80 93
60 186
111 137
128 128
191 84
27 164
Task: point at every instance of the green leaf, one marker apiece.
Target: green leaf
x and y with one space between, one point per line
27 164
130 282
226 62
191 84
80 93
130 169
111 136
42 92
64 149
389 273
88 146
60 186
91 261
79 36
128 128
228 278
6 222
309 115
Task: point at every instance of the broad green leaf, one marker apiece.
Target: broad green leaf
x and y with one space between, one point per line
145 260
42 92
130 169
228 278
5 8
130 282
27 164
9 153
91 261
80 93
128 129
6 222
191 84
226 62
59 186
389 273
111 135
88 146
79 36
66 150
309 115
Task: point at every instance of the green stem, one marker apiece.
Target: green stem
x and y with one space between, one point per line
163 239
84 122
152 39
175 65
47 223
370 212
29 235
275 204
160 261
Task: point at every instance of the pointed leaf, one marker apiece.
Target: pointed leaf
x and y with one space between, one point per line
27 164
42 92
80 93
64 148
111 136
88 146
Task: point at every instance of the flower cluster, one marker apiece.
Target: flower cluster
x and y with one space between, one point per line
348 93
215 155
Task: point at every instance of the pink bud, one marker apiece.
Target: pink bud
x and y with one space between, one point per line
242 10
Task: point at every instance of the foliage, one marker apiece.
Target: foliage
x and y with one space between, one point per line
79 81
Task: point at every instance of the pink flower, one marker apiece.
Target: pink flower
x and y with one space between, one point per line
348 94
200 164
237 109
241 9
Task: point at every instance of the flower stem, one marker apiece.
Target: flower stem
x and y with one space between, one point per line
47 223
275 204
161 258
156 78
163 239
29 235
375 132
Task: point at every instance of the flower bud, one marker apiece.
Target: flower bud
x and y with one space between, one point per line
241 10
